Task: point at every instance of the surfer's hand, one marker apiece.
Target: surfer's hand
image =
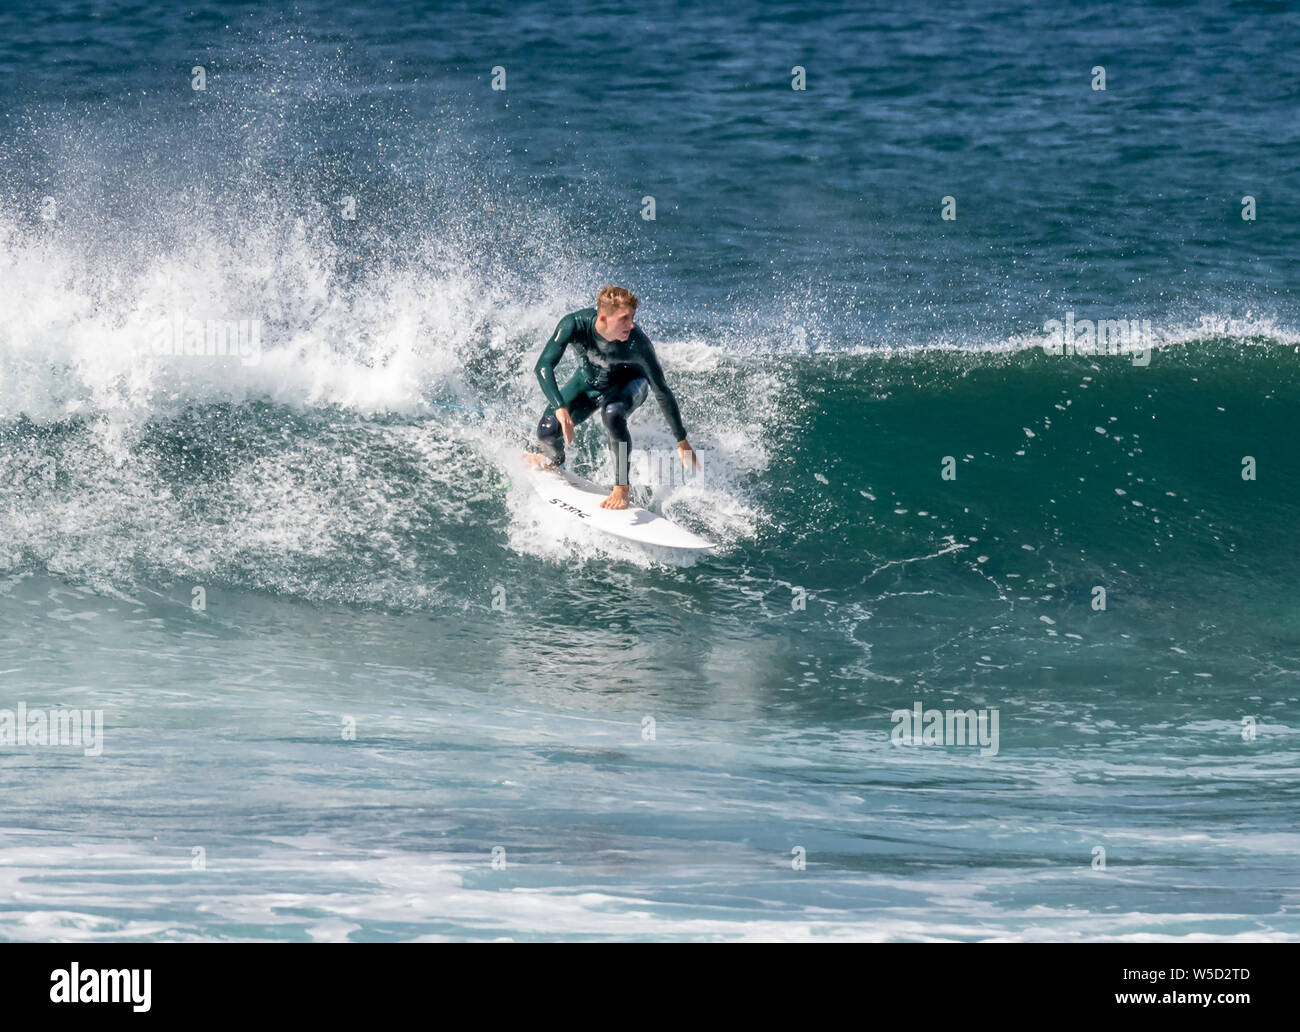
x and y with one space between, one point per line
566 424
688 455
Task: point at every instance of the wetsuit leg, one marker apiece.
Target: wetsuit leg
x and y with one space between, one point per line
581 403
618 406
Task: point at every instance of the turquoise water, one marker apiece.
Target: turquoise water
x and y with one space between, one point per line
343 653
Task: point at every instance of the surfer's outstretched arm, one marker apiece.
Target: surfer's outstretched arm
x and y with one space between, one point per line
545 370
664 395
551 354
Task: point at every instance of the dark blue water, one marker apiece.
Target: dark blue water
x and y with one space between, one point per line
343 652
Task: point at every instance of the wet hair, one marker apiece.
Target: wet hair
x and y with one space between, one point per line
612 297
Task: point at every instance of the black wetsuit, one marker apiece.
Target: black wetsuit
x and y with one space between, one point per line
613 376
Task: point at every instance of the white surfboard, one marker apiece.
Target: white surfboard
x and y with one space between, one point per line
580 499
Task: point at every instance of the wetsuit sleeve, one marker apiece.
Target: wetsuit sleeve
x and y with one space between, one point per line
653 372
551 354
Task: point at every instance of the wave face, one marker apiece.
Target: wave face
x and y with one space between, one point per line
316 518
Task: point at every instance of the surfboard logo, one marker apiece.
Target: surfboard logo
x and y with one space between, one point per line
569 508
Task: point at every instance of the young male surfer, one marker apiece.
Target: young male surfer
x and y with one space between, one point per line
617 365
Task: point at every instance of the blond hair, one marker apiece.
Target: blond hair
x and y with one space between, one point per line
612 297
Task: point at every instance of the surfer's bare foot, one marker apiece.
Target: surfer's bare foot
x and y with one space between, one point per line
617 498
539 462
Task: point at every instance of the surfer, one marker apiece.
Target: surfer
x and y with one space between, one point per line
617 367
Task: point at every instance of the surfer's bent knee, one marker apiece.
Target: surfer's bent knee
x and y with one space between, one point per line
550 439
615 416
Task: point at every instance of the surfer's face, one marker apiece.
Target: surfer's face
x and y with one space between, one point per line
615 325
